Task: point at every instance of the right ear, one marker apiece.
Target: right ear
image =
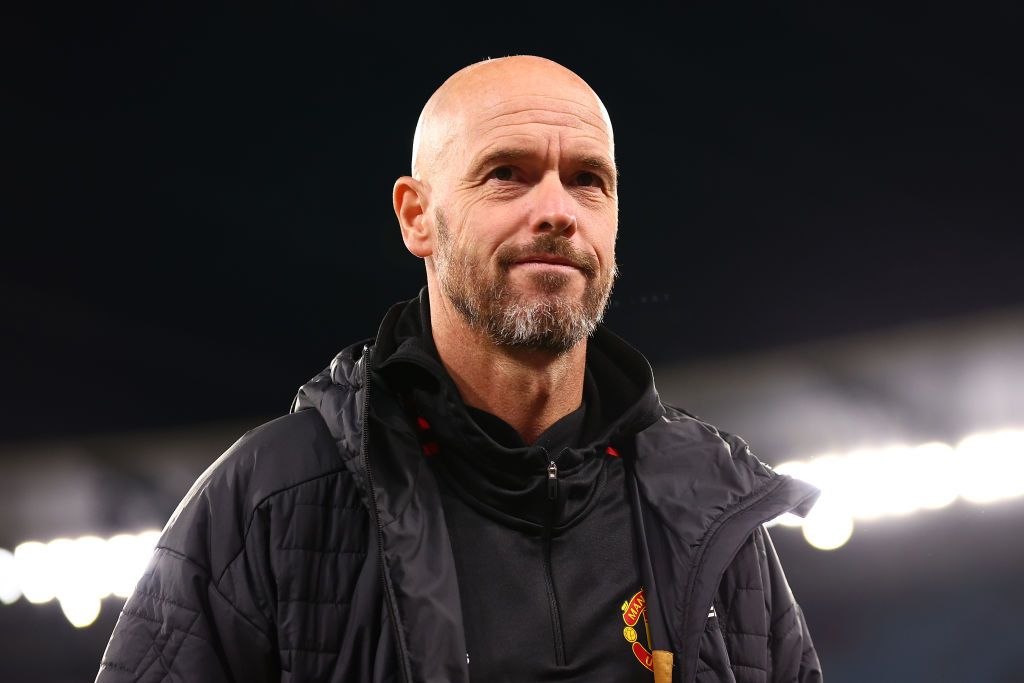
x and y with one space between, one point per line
411 200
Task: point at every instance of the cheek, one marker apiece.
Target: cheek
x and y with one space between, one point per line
487 226
604 232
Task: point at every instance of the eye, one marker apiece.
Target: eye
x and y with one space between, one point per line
588 179
503 173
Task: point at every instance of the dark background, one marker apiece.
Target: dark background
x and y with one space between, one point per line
196 200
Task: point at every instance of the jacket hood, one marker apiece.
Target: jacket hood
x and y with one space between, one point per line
629 401
504 480
631 407
483 458
336 393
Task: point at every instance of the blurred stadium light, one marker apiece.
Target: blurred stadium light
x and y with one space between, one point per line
898 480
78 573
860 485
877 421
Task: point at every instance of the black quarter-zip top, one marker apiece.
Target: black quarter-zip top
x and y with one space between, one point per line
556 617
541 533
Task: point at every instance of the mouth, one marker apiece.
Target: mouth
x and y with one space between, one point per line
547 260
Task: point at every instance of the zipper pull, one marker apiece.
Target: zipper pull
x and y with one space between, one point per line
552 480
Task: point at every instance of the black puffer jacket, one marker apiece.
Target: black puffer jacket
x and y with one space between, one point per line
309 552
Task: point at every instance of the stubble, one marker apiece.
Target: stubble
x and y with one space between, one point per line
550 319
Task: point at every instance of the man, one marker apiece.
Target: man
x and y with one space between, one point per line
490 489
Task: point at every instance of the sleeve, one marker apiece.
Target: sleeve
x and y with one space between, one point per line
201 612
792 653
178 626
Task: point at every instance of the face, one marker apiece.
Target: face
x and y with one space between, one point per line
525 230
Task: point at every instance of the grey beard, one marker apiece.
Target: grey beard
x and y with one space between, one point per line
547 322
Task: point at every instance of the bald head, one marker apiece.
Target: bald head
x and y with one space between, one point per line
513 205
478 90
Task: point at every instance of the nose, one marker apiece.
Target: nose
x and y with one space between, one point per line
555 210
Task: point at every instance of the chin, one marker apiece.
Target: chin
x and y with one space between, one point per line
552 285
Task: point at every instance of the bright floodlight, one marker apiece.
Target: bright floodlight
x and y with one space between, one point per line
829 525
80 608
79 573
32 569
898 480
126 559
82 589
935 484
10 590
993 466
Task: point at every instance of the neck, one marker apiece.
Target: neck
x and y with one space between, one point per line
529 389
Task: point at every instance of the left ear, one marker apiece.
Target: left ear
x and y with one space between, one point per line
411 200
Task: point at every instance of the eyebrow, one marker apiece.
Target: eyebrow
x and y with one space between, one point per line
501 155
505 155
601 165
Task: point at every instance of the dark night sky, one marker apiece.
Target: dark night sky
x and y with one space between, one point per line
196 210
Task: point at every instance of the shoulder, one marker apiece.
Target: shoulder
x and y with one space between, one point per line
274 461
686 441
272 457
685 464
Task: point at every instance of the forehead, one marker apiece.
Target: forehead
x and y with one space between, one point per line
537 116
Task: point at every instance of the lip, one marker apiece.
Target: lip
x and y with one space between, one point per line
547 261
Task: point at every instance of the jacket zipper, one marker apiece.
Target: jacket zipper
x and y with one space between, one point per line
556 618
389 595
